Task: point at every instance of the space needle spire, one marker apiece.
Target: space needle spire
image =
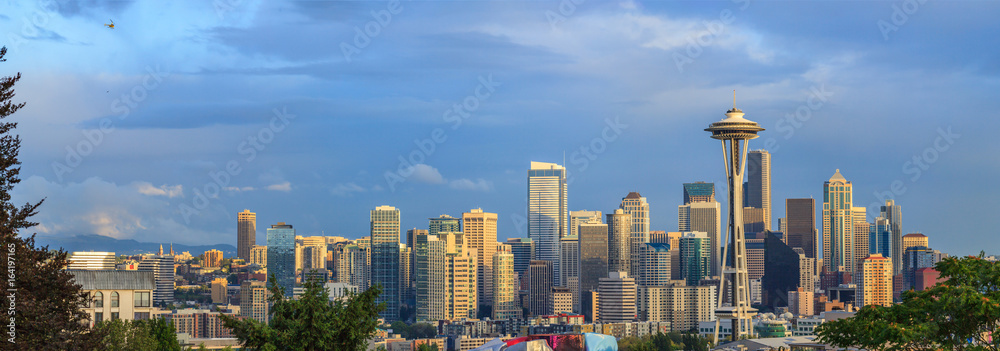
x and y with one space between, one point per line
735 132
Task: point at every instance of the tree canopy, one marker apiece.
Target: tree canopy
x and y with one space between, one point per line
961 313
312 322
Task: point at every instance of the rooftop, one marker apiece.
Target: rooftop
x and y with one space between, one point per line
113 279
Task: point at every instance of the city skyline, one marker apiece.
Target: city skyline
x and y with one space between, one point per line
637 102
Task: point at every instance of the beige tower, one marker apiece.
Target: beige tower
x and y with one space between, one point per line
246 233
914 240
617 298
481 238
505 289
860 229
619 241
838 224
876 281
636 206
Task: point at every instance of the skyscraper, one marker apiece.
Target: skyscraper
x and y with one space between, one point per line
593 256
162 267
480 230
617 298
880 237
444 223
636 206
547 211
892 212
914 240
759 183
504 285
735 133
695 257
246 233
860 228
655 264
570 262
281 255
430 277
540 287
674 239
523 250
800 219
253 300
576 218
704 217
385 232
699 192
875 286
415 250
619 241
838 223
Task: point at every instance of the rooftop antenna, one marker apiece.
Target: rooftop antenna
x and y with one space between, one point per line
734 98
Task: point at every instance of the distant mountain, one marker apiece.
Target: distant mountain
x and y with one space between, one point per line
94 242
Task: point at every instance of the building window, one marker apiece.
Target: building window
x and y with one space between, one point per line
141 316
114 315
98 317
98 300
114 299
142 299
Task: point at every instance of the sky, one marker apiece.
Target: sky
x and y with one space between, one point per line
315 112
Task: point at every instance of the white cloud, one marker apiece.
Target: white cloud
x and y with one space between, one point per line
426 174
346 189
284 186
476 185
146 188
239 189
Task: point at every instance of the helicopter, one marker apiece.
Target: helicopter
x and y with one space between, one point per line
112 25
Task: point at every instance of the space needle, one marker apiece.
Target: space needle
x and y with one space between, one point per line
735 132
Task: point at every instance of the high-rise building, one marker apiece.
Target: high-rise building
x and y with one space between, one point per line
681 305
758 188
616 298
460 281
781 271
162 267
405 274
385 232
880 237
576 218
253 300
619 241
892 213
695 257
704 217
258 255
807 272
444 223
875 286
430 277
505 287
593 257
411 238
92 260
860 228
914 240
352 266
674 239
570 260
838 224
800 302
636 206
246 233
480 230
540 287
220 288
914 259
699 192
212 258
523 250
753 220
547 211
281 256
655 264
800 227
755 255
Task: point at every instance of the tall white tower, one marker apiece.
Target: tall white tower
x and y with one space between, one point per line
735 132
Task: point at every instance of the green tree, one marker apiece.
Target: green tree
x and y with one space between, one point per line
401 328
962 313
422 331
48 313
142 335
312 322
428 347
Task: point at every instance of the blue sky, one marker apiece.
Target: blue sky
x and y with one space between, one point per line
160 106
